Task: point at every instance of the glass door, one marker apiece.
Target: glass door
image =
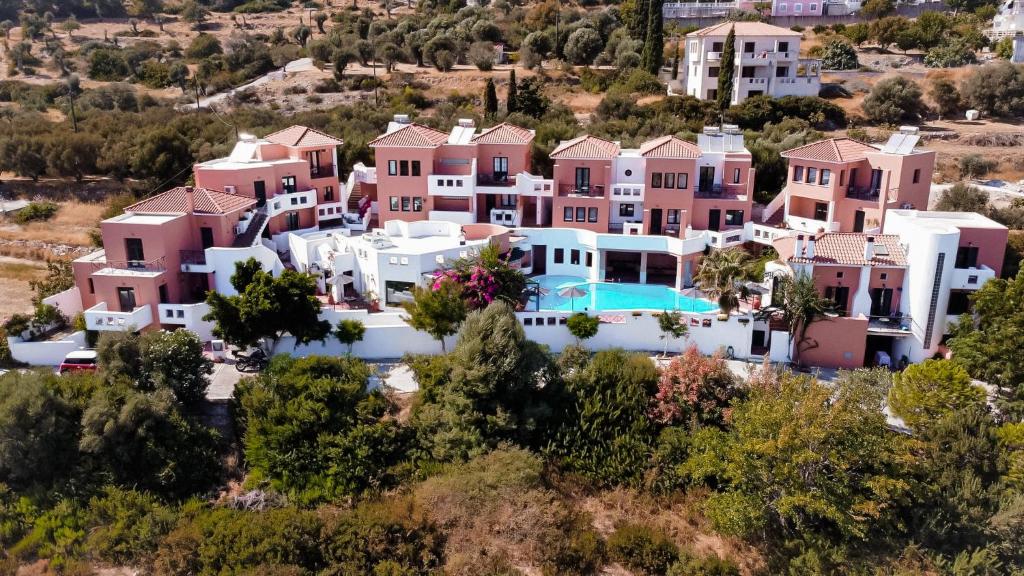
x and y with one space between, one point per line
500 169
707 178
583 180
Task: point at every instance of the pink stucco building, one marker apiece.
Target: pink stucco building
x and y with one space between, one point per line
844 185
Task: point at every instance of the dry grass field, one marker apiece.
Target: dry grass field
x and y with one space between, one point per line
15 275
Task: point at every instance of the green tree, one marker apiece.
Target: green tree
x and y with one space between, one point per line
38 432
494 387
59 277
267 307
874 9
728 70
340 60
194 13
654 42
857 33
805 458
583 326
694 390
312 429
530 98
119 355
605 433
162 154
893 100
320 18
490 99
676 53
349 331
673 327
838 55
175 360
961 197
996 89
719 272
583 45
438 312
886 30
798 304
927 391
640 22
512 101
25 156
944 94
301 34
203 46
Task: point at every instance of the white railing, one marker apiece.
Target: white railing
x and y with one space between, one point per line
505 217
763 234
282 203
725 238
99 318
758 81
530 185
330 210
971 278
713 56
244 223
628 192
455 186
810 224
459 217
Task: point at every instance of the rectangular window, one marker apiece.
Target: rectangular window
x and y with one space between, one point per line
288 184
656 180
392 167
626 210
591 214
590 259
782 72
820 211
713 72
559 255
417 204
682 180
798 173
959 303
670 180
394 203
581 214
328 193
826 175
291 220
812 175
567 214
917 175
842 177
736 176
133 252
672 217
415 167
92 289
783 46
403 168
748 47
717 46
747 72
574 257
405 203
734 217
966 257
126 299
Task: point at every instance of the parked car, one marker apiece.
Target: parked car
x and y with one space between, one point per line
80 360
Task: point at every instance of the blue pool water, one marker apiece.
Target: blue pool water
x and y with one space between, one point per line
614 296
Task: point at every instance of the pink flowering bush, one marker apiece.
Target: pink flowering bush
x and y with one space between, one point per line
484 279
694 389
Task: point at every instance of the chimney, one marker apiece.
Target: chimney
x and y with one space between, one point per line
798 248
810 246
190 199
869 248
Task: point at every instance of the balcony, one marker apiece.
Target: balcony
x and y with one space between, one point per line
325 171
130 267
722 192
284 202
182 314
530 185
863 193
971 278
893 325
573 191
628 192
505 217
194 261
714 56
762 82
99 318
450 185
756 58
810 224
496 180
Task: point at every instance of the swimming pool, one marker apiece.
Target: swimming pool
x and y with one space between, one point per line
614 296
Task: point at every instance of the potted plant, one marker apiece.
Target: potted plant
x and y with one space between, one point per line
372 300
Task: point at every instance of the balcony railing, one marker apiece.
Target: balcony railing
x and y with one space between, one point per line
324 171
496 179
862 193
193 257
594 191
893 324
720 191
156 265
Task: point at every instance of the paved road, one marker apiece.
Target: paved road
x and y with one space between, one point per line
222 381
300 65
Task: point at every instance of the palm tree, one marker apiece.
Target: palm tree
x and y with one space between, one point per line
798 303
719 273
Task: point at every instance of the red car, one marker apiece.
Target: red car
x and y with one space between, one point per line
80 360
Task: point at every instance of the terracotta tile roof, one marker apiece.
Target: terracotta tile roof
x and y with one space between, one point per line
412 136
669 147
744 29
504 133
586 147
302 136
185 199
847 248
831 150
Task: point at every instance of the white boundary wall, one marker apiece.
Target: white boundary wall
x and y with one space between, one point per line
45 353
69 302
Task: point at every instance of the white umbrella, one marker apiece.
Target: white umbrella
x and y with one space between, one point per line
572 293
341 279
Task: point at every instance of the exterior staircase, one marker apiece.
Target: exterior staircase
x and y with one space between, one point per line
354 196
252 233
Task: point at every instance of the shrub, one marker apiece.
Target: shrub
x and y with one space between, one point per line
583 326
203 46
706 566
36 211
925 392
950 56
642 548
327 85
838 55
975 166
107 65
996 89
126 525
893 100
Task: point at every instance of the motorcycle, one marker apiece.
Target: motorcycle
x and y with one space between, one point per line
255 361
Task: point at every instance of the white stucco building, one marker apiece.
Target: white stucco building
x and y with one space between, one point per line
1009 21
767 62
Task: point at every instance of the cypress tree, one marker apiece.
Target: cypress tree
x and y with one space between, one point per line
654 42
675 63
638 26
490 99
512 104
727 71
